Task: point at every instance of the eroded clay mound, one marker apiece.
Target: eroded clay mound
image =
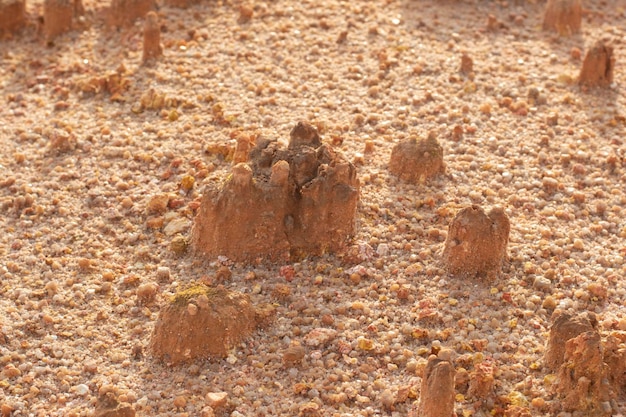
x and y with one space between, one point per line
437 391
415 161
476 242
615 357
597 69
12 15
581 383
125 12
59 16
203 322
284 204
563 16
564 328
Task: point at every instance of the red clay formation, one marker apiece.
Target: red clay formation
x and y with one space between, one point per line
415 161
476 243
598 66
467 64
12 15
482 381
437 391
284 204
203 322
125 12
152 48
564 327
581 383
183 4
563 16
59 15
615 358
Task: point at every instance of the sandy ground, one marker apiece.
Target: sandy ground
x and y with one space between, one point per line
79 166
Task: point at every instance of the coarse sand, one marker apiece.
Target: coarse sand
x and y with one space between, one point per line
104 160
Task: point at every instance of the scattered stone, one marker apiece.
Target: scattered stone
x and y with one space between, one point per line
125 12
598 66
210 332
310 409
563 16
157 204
163 274
152 48
61 142
565 327
476 244
6 410
293 355
216 400
179 245
175 226
58 16
517 411
415 161
146 293
108 405
284 204
12 15
581 383
320 336
437 392
245 13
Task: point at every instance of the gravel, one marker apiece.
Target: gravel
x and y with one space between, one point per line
81 236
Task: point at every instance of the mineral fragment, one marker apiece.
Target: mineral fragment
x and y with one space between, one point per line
476 243
415 161
283 204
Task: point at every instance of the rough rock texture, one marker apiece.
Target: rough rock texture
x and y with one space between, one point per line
581 383
564 327
476 243
415 160
437 392
109 406
615 357
183 4
125 12
598 66
12 15
482 380
152 48
203 322
58 16
283 204
517 411
563 16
